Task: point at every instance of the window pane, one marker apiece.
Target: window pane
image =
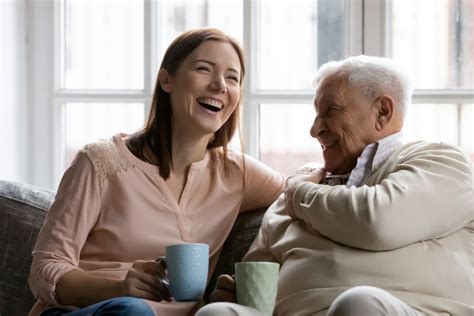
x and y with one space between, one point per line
285 142
88 122
467 128
434 40
178 16
103 45
432 122
294 38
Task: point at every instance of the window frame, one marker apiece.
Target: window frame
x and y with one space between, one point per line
368 29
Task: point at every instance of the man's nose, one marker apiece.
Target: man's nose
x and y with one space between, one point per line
318 127
218 84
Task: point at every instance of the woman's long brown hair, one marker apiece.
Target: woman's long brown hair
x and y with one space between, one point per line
155 137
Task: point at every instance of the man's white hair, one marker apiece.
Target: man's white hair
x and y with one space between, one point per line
374 76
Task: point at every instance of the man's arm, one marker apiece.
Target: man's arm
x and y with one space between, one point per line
260 250
428 195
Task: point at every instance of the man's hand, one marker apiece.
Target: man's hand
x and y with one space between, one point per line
148 280
305 174
225 290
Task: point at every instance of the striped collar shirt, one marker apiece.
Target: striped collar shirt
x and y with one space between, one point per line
372 158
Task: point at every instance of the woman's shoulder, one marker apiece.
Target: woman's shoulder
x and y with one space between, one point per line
105 157
237 160
233 160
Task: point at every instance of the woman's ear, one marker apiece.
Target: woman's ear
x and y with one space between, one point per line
385 111
165 80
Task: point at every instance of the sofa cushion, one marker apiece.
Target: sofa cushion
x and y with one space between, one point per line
22 212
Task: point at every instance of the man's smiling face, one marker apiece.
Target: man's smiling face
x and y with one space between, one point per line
344 124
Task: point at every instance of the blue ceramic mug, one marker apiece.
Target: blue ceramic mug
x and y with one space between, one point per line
188 267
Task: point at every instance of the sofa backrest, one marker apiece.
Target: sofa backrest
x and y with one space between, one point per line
22 212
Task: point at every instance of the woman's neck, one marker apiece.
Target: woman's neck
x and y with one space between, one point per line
187 149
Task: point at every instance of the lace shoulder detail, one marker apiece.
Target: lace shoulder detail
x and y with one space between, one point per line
106 158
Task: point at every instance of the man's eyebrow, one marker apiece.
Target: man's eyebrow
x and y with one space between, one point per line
214 64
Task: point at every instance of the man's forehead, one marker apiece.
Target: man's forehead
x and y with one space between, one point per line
330 87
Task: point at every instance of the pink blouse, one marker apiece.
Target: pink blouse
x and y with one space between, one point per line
112 209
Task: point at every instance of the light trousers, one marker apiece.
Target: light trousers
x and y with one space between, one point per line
357 301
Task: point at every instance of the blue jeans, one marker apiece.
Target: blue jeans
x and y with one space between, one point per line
123 306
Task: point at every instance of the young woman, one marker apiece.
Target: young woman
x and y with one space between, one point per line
123 200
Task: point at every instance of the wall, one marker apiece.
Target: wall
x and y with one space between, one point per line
13 91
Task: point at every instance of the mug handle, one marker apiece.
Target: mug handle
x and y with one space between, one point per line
164 280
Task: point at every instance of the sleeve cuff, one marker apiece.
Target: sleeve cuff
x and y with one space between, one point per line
46 291
299 198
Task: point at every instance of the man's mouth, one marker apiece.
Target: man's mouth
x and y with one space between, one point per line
210 104
327 145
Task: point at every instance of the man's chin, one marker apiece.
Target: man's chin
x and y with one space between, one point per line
331 164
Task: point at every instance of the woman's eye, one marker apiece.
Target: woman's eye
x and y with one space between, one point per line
203 68
235 79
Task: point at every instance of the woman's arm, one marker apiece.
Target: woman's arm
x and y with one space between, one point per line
78 288
56 277
68 223
263 185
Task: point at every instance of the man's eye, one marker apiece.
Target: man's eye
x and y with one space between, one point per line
332 111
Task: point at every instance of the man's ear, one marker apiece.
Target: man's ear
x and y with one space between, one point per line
164 79
385 111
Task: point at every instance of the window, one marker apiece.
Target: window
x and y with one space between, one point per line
104 55
433 41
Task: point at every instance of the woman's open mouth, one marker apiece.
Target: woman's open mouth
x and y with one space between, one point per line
210 104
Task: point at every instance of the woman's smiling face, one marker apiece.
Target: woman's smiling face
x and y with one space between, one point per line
206 88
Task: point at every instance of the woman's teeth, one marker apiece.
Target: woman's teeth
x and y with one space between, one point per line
211 104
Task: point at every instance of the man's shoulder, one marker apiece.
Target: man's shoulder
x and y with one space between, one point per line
422 147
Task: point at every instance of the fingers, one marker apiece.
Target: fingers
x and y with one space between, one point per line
151 267
222 296
225 282
225 290
317 175
150 277
309 167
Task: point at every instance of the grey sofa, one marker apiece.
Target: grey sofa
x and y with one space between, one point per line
22 211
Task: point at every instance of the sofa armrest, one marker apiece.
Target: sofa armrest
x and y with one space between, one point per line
236 245
22 211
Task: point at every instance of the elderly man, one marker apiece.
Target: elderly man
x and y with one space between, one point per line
386 228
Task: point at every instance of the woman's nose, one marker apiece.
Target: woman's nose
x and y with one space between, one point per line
218 84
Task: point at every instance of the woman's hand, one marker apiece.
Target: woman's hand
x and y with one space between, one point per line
148 280
225 290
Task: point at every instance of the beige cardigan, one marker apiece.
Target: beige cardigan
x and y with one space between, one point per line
408 230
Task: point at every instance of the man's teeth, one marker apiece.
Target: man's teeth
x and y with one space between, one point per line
327 145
